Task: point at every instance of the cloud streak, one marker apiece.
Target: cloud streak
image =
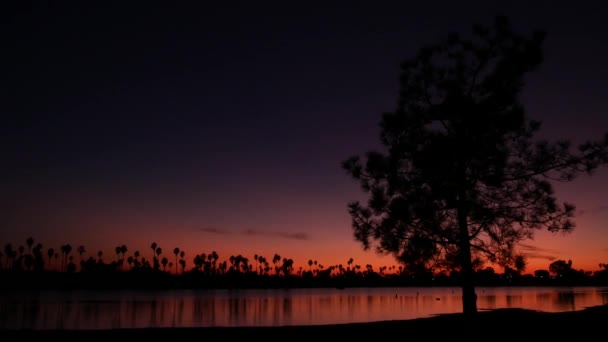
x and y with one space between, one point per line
278 234
531 248
214 230
534 252
593 211
540 256
284 235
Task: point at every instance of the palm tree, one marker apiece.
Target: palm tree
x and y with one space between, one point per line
153 246
99 255
181 255
159 251
287 266
123 250
164 261
232 260
50 252
81 251
29 242
8 250
520 264
118 251
275 260
213 257
176 252
66 250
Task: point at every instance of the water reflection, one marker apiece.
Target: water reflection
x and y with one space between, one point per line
192 308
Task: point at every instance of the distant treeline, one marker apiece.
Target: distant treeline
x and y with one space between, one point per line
30 266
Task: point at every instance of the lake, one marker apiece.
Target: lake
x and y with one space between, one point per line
202 308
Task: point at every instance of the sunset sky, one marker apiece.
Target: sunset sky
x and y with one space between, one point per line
222 127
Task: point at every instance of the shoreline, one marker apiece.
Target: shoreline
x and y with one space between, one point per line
504 322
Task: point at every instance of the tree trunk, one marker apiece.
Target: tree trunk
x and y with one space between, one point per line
469 298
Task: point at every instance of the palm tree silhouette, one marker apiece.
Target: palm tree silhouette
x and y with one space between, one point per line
159 251
81 251
176 252
66 250
182 261
50 252
123 251
117 250
520 264
136 259
29 242
275 260
8 251
153 246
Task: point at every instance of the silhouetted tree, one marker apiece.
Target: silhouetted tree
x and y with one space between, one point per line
158 252
153 246
182 261
71 267
462 177
29 242
275 260
65 251
520 264
10 254
176 252
123 251
561 268
81 252
50 252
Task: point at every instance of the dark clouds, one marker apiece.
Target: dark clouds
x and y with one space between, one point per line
534 252
600 209
277 234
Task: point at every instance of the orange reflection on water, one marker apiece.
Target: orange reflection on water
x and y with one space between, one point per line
196 308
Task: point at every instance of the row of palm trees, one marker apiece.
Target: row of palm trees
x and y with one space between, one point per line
32 257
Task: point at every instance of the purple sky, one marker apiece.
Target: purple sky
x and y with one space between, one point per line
223 128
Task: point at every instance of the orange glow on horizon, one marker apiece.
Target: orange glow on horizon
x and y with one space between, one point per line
101 223
300 251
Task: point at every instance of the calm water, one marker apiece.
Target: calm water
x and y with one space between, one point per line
196 308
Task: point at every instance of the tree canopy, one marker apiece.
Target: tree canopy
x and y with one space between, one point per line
463 177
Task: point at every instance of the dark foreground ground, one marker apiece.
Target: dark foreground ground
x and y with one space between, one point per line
499 325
